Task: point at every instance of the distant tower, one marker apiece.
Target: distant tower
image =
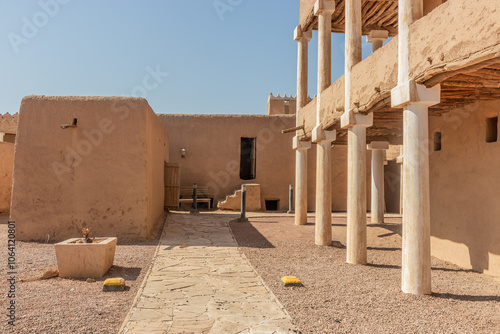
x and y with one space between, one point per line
286 105
277 105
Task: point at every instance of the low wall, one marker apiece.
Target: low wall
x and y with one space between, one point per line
6 170
101 174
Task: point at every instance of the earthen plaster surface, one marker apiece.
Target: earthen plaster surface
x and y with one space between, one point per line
213 148
100 174
464 185
212 144
6 171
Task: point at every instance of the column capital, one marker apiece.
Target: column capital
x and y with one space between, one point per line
414 93
319 134
378 145
377 34
324 6
298 34
300 145
350 119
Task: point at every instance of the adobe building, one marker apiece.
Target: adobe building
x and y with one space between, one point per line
219 152
6 171
222 152
8 128
434 88
95 162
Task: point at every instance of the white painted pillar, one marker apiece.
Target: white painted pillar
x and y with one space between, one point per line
323 229
377 38
415 100
377 198
356 185
356 124
353 44
301 147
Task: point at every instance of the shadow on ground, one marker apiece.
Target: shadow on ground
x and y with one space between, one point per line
247 235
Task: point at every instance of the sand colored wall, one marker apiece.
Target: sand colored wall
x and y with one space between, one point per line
213 152
157 155
213 156
6 170
392 187
465 193
97 174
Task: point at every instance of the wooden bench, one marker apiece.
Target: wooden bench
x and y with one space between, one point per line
203 195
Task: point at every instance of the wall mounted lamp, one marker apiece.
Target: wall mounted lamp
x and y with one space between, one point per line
183 153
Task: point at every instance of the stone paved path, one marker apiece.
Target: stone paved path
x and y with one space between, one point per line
206 287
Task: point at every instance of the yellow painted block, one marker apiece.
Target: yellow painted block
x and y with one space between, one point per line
114 281
290 280
114 284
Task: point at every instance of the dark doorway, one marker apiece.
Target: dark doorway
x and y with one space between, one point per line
272 204
248 159
437 141
492 130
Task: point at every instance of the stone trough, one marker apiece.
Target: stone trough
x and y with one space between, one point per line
85 260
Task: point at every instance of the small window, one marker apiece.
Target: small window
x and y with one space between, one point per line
248 159
491 129
287 107
272 204
437 141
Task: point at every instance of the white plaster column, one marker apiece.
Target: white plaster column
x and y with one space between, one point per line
377 38
301 147
415 100
323 222
353 44
302 38
377 198
356 156
356 186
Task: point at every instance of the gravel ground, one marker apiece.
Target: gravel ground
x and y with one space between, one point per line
60 305
341 298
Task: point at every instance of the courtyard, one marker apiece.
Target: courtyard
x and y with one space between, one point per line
221 276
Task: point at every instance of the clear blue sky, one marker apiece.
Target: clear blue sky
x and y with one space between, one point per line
214 65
